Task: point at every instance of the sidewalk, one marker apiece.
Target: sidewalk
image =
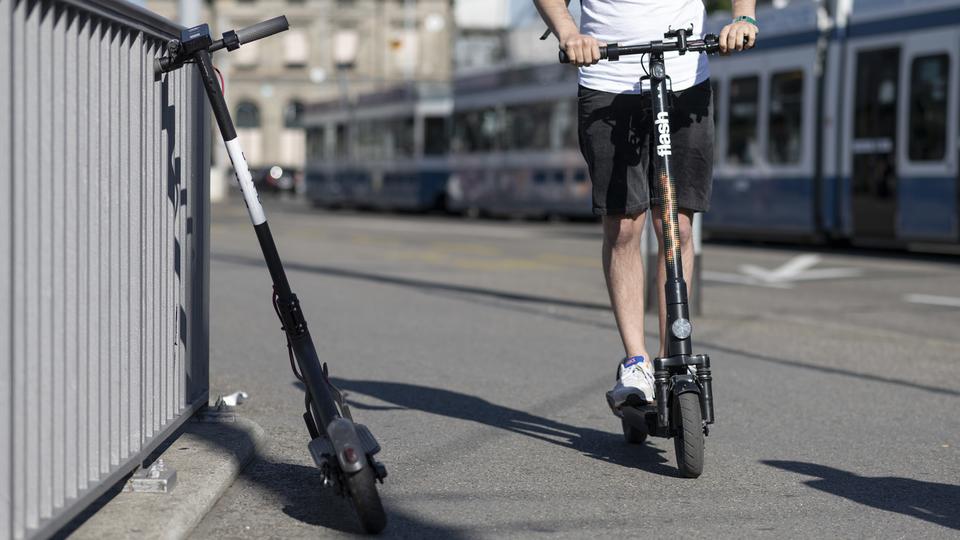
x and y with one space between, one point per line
207 457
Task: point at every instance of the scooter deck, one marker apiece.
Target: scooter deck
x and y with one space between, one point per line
641 417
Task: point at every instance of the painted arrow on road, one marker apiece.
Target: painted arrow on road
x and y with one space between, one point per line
799 268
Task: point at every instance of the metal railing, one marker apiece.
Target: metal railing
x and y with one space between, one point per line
103 253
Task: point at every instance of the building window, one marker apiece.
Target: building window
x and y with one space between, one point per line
928 107
293 115
346 46
786 118
742 136
248 115
296 48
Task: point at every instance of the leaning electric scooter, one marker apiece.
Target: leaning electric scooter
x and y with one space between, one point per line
683 381
342 449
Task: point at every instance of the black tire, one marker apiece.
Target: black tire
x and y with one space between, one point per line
633 435
689 440
366 501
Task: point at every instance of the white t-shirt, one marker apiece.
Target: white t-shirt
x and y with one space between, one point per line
627 22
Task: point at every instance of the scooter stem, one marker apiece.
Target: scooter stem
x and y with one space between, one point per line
294 323
675 288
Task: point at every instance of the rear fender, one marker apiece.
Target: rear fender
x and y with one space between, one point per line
347 444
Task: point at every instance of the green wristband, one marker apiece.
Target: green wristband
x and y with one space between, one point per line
744 18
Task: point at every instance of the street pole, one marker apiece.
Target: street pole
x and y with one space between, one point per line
189 12
410 27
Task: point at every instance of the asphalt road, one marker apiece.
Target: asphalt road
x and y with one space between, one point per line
478 352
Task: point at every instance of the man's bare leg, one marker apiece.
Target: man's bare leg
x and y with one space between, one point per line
623 269
686 252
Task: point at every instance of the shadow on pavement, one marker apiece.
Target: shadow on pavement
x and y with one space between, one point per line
415 283
602 445
832 370
929 501
487 296
306 500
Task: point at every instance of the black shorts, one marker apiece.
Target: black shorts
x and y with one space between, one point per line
616 139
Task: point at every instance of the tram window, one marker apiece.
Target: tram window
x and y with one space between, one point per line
928 108
563 134
369 141
315 143
476 131
786 118
876 94
742 114
342 146
528 126
384 139
400 131
436 140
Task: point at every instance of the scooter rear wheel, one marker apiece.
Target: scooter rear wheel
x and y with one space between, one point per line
688 442
366 501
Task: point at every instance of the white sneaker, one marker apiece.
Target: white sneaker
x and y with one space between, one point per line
634 384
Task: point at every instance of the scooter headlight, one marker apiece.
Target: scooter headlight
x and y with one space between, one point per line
681 328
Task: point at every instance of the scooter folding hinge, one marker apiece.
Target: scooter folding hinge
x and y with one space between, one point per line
291 316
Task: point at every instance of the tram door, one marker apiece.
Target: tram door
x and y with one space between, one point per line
874 181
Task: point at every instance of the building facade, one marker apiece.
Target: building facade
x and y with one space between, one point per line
335 49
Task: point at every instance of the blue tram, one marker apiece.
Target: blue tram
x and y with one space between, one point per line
842 125
387 151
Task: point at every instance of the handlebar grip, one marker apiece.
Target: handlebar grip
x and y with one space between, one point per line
263 29
564 59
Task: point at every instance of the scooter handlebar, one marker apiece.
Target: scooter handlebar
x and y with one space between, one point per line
262 29
710 44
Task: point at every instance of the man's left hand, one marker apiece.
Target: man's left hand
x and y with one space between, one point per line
738 36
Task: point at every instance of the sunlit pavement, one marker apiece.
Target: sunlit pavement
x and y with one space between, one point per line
478 352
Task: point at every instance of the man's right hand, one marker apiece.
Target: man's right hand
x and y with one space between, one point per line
582 50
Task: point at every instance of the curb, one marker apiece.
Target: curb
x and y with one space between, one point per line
207 457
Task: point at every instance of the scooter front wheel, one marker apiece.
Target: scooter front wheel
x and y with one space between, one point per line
366 501
688 441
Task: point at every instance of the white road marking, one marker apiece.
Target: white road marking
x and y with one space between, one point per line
932 300
740 279
799 268
827 273
787 271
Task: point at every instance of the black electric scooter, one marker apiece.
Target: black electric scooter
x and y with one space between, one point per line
341 449
684 400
